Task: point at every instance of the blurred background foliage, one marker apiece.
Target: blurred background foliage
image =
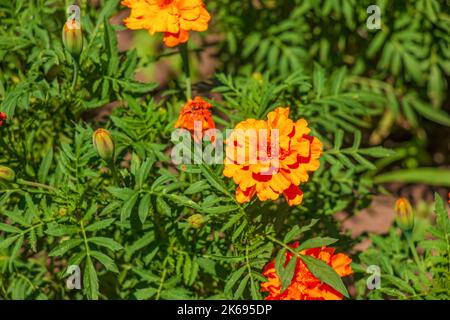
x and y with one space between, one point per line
406 61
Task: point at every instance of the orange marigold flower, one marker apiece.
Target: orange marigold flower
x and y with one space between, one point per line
304 285
196 111
270 158
173 17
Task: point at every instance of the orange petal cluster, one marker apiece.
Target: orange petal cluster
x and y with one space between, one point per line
175 18
196 110
304 285
274 172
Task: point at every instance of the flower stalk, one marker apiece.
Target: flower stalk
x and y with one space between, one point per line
186 69
113 168
35 184
75 72
72 37
412 248
405 220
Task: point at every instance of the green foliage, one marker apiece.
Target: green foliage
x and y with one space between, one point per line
406 60
401 276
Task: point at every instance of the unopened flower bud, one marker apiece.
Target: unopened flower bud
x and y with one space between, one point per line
258 77
73 37
196 221
7 174
404 214
62 212
104 144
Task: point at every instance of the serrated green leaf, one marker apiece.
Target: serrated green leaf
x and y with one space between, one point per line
234 277
65 246
297 231
317 242
145 207
105 260
287 274
128 206
90 280
325 273
9 228
106 242
99 225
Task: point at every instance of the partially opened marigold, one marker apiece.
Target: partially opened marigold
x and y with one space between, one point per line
196 111
173 17
275 166
304 285
404 214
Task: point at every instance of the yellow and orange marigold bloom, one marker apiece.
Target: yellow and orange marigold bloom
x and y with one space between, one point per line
304 285
175 18
196 110
3 117
404 214
273 167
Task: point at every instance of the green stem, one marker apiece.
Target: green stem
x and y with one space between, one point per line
88 254
114 172
35 184
86 244
424 294
186 69
161 283
412 247
249 268
283 245
75 72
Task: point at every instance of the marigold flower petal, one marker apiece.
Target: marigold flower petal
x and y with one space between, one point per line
341 264
293 195
174 39
245 195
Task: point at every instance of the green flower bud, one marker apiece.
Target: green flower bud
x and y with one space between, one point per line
404 214
104 144
73 37
196 221
7 174
62 212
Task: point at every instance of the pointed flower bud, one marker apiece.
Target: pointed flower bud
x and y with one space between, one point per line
404 214
196 221
73 37
7 174
62 212
104 144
